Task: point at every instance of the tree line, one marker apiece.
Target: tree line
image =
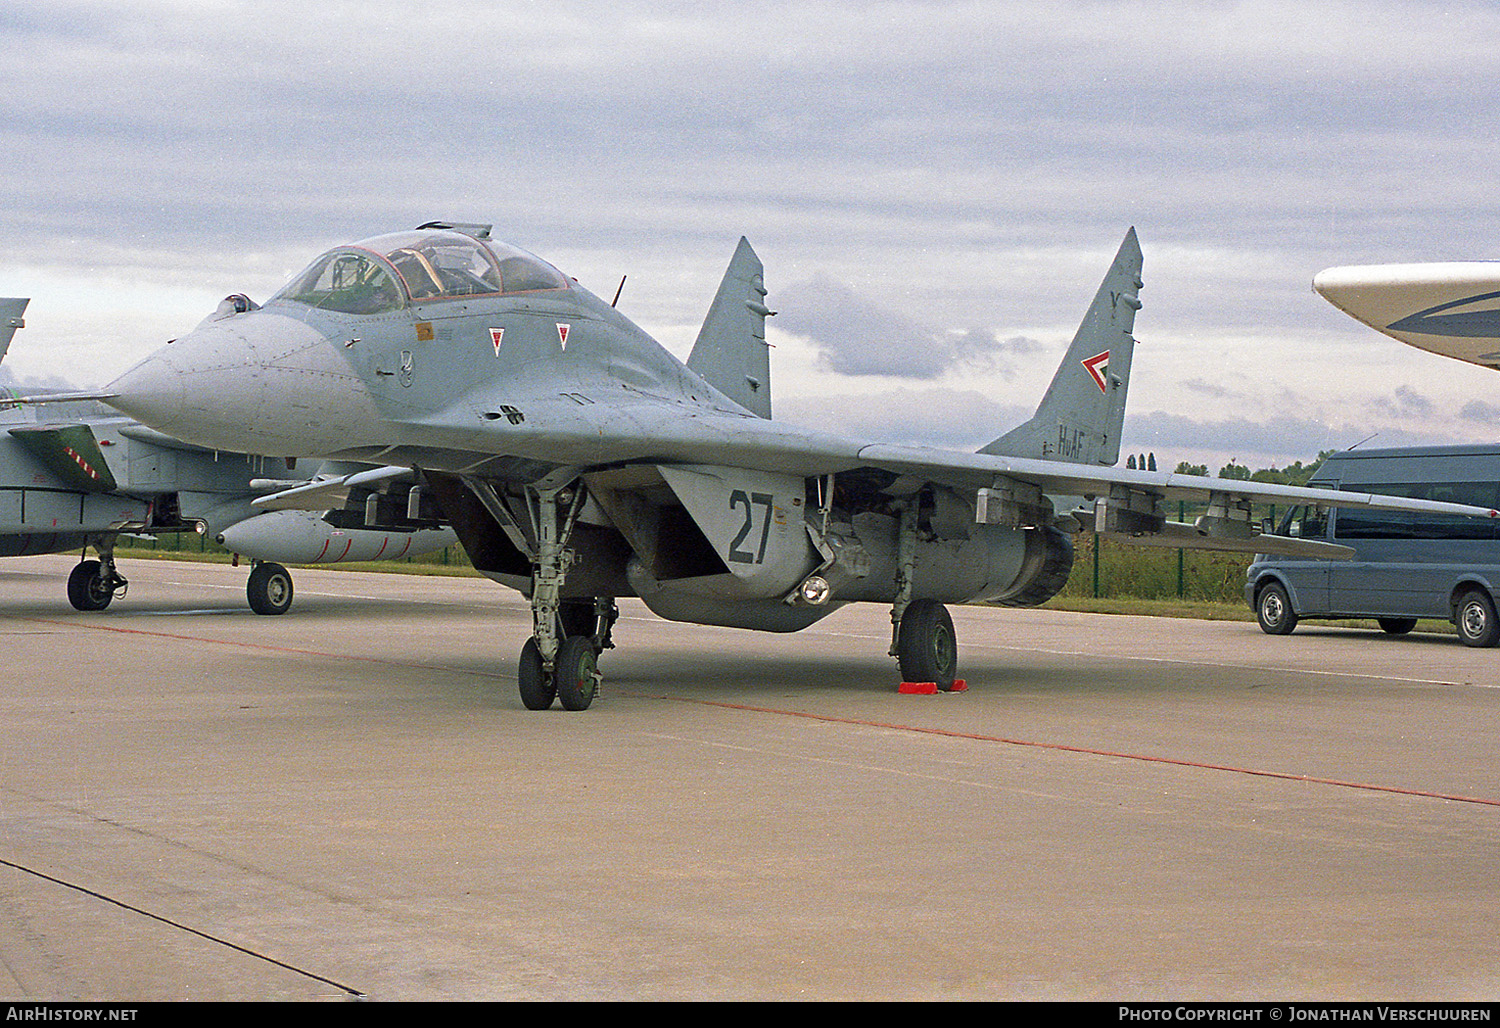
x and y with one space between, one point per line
1293 474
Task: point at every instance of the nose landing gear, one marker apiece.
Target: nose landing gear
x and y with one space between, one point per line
561 659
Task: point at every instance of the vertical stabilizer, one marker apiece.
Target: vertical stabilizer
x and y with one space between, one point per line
11 309
1081 414
731 353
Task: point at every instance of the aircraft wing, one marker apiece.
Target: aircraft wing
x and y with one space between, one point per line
614 437
1058 478
1127 503
1002 490
1451 308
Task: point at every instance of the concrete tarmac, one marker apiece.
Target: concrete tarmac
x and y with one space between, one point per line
200 803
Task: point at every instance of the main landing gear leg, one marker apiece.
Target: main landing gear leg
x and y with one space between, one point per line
560 660
922 637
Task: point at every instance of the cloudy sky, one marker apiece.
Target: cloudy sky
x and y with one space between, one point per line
936 188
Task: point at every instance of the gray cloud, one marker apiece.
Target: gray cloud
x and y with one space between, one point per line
1487 414
1277 438
1210 389
856 336
1404 401
949 418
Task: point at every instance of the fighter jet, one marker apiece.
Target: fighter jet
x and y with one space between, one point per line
82 477
579 461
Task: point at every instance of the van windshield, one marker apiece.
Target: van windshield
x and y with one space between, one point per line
1304 523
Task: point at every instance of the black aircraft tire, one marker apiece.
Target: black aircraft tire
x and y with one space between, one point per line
576 664
1475 618
1396 626
1273 609
86 587
537 687
926 647
269 589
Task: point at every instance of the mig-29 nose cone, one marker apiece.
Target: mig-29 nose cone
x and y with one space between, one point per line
259 383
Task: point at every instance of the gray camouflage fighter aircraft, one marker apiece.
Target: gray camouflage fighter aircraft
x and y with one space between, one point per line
579 461
83 476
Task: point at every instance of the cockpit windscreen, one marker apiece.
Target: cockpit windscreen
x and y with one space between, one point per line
380 274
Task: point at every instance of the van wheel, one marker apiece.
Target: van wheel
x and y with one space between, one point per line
1274 611
1396 626
1475 617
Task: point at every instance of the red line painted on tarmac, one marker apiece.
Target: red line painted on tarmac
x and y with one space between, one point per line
826 718
1065 748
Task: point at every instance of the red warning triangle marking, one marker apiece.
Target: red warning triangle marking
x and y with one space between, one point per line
496 335
1098 367
562 333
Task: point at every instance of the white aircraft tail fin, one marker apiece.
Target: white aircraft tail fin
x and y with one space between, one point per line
731 353
1081 414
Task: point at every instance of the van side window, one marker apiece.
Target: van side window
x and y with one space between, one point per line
1356 523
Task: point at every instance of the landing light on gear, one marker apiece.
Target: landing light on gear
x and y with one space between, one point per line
815 591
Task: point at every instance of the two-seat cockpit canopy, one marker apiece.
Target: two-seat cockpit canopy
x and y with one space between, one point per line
388 272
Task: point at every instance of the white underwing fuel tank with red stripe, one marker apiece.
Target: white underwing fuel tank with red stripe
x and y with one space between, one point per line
309 537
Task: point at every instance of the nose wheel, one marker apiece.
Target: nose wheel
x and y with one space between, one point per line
574 676
538 685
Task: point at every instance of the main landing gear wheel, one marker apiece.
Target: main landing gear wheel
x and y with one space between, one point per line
87 587
538 688
269 589
926 647
577 672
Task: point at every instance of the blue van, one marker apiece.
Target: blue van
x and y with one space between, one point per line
1406 565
